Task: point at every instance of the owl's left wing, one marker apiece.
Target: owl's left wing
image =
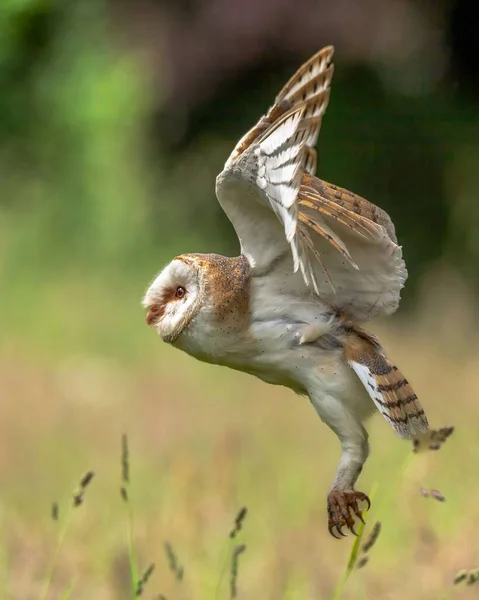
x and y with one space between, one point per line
344 246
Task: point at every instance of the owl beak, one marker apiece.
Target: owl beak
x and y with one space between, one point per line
152 315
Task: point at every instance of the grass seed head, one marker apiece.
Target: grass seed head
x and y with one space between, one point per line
240 517
125 459
79 494
144 580
234 569
173 563
362 562
437 495
86 479
372 537
472 577
78 497
460 576
55 511
432 439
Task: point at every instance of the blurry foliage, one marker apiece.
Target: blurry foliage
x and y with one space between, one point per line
96 192
70 157
91 178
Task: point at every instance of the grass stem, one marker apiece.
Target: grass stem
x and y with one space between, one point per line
60 540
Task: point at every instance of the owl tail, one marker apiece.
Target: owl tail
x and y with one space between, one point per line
389 389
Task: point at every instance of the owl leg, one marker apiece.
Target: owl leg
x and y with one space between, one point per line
343 499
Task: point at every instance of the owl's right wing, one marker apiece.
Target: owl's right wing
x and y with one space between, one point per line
344 246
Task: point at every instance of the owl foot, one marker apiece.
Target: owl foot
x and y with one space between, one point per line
343 508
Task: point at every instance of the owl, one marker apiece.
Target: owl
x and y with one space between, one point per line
316 262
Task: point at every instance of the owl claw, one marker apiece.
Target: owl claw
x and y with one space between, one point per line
331 531
335 528
342 510
363 497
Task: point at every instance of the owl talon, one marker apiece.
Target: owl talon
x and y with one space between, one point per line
340 530
336 529
363 498
342 510
331 531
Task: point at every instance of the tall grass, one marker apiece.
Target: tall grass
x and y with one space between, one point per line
359 555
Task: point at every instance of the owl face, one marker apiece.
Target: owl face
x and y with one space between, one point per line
174 298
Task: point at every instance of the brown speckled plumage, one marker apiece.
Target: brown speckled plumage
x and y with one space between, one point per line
226 283
316 259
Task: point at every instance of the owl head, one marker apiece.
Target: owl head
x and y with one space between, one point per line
174 297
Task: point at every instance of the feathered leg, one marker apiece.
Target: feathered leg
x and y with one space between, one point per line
343 499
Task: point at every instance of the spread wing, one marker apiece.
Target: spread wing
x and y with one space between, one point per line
344 247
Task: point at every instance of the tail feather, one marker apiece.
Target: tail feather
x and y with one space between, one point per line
389 389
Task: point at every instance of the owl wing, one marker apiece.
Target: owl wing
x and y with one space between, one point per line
344 247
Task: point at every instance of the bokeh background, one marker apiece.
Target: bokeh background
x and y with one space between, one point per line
115 118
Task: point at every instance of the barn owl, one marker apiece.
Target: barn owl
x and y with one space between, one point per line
316 261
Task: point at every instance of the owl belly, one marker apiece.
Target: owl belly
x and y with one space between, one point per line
317 368
275 350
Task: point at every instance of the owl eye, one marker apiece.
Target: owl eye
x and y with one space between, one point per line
180 292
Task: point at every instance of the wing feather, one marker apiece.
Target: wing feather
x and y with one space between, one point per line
343 247
317 71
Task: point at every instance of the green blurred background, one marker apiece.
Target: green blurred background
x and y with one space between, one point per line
115 118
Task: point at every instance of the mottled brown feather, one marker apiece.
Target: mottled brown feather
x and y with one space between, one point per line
227 283
353 205
390 390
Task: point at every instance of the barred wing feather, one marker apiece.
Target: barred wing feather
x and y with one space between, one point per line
344 247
